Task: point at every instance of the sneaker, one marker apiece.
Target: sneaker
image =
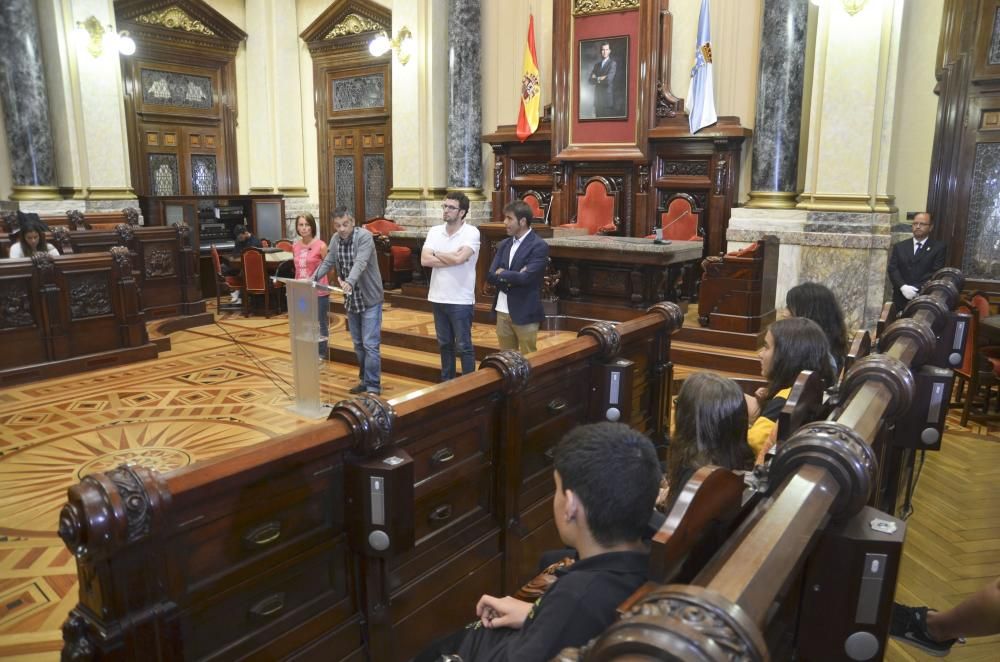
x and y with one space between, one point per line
234 296
357 388
909 625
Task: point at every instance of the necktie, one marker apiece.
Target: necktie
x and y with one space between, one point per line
916 249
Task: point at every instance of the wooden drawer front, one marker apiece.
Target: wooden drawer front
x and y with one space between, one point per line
446 611
550 411
445 448
442 502
250 534
539 535
270 604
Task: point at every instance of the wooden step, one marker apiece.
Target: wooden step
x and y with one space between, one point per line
715 358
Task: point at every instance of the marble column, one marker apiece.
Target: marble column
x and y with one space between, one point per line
465 167
25 103
778 118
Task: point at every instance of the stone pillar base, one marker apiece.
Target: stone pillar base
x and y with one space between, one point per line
419 214
846 251
771 200
30 192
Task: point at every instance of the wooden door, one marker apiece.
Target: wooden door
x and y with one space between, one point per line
357 164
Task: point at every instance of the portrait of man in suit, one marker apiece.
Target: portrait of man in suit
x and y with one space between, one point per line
913 261
603 77
516 272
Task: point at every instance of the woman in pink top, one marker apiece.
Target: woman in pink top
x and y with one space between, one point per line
309 250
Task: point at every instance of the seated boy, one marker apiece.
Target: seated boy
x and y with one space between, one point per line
607 476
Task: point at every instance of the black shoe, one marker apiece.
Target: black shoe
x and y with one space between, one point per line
357 388
909 625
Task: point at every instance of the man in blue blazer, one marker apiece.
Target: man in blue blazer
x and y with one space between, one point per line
913 261
517 272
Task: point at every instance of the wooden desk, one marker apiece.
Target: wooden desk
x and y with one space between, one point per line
613 277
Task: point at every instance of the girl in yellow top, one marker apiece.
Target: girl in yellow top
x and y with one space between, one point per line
790 346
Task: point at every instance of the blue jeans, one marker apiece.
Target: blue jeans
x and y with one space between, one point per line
453 326
323 309
366 332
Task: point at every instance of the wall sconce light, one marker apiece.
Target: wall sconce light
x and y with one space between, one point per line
852 7
96 37
402 44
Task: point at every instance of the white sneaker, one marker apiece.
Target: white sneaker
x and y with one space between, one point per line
235 296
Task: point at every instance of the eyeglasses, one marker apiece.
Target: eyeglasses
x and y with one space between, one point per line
450 208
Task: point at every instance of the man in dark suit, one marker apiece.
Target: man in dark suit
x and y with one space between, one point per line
602 77
517 272
912 262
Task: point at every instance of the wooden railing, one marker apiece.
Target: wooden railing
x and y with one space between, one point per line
276 550
69 313
812 568
162 258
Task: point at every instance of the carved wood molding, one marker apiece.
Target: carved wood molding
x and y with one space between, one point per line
512 366
607 337
174 18
354 24
589 7
370 419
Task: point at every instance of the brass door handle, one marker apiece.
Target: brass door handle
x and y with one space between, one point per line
269 606
557 405
263 535
442 456
440 514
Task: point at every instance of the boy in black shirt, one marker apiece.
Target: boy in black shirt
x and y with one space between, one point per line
607 478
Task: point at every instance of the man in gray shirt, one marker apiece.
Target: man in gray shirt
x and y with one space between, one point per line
352 250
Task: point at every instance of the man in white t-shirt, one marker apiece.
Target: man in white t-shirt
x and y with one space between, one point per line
452 250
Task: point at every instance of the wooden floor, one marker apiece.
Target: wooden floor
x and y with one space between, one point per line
206 396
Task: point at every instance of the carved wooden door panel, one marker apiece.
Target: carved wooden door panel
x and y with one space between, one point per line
358 165
180 160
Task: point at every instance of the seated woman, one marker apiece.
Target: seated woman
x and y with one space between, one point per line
710 428
790 346
817 303
31 241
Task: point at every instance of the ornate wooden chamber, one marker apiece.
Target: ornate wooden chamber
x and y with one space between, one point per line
645 152
277 550
68 314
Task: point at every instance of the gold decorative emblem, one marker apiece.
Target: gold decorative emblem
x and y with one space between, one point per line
174 18
529 86
353 24
586 7
706 52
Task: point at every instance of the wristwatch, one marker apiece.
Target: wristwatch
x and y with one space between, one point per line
433 253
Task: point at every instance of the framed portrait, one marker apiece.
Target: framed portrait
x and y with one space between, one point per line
603 93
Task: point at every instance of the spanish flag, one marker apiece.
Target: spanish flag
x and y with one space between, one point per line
531 88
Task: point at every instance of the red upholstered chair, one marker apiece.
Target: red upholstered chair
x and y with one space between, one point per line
255 281
679 221
230 283
394 262
540 204
597 207
284 244
981 362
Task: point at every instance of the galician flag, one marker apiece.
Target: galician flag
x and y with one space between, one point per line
701 93
531 88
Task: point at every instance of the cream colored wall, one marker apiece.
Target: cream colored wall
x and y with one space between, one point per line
234 10
916 105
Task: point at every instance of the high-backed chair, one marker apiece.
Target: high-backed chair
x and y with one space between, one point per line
597 207
679 220
255 281
393 261
981 365
230 283
540 203
737 289
284 244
